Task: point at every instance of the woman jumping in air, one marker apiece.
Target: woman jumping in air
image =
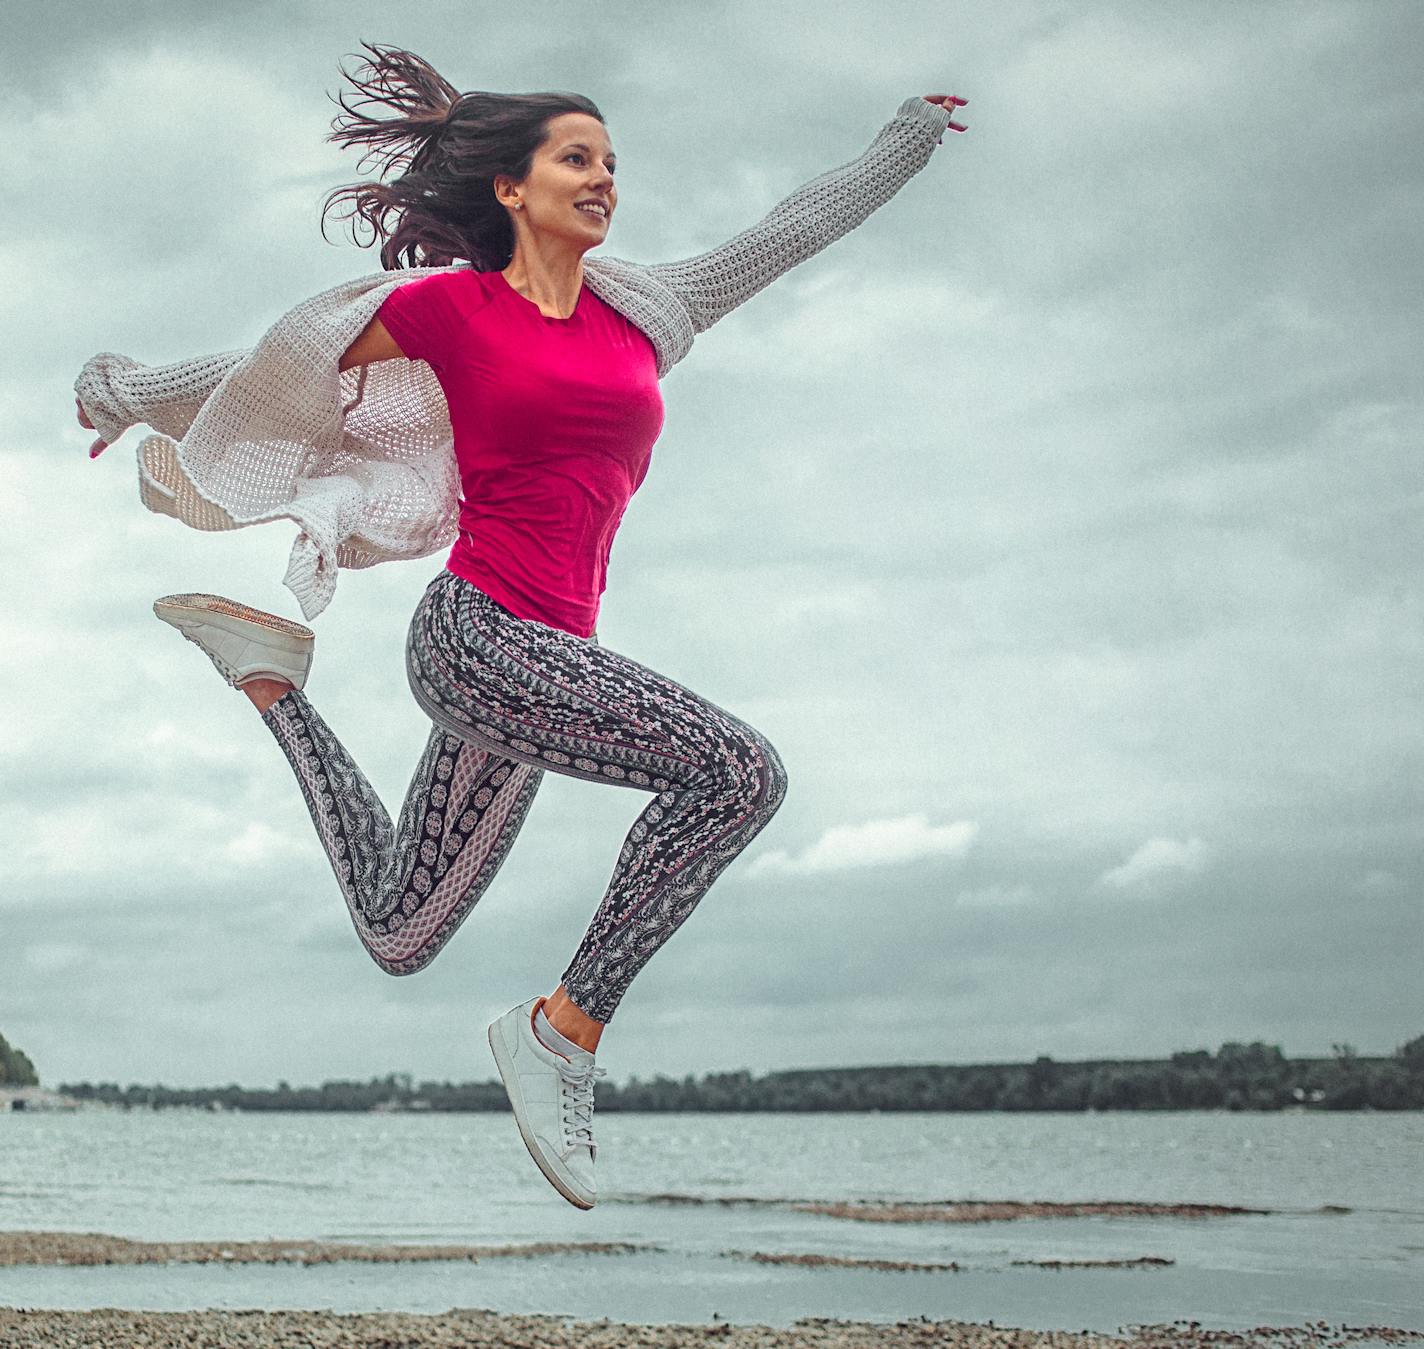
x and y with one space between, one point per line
496 389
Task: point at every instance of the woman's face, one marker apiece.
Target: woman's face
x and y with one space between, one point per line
571 175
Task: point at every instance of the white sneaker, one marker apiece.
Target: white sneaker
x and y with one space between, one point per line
553 1102
243 643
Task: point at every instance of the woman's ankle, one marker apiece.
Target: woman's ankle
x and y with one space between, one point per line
262 693
569 1020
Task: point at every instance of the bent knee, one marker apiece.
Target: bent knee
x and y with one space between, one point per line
773 781
761 774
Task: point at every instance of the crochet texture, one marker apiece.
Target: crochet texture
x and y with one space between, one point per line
363 460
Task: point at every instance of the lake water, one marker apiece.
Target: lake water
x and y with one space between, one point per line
1344 1243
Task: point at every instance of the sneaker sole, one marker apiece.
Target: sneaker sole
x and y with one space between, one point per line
516 1100
229 616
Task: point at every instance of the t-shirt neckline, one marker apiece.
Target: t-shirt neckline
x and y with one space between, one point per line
552 318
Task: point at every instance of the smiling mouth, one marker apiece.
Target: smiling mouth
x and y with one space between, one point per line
597 215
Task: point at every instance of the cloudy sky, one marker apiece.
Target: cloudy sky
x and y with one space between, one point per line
1058 525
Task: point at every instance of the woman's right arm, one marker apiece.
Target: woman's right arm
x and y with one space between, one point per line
374 344
114 393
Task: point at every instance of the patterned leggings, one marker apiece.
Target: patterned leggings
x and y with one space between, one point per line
510 698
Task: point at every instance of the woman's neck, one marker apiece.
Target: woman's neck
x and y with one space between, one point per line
552 280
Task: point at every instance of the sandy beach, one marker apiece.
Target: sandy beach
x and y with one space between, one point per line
108 1329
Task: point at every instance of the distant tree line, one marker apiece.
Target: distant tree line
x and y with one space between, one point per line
16 1070
1252 1076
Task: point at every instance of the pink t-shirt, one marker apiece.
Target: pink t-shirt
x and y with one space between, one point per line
554 423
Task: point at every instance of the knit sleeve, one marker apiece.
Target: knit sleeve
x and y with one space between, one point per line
426 316
818 213
118 393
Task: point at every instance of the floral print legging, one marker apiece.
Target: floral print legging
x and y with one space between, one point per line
509 698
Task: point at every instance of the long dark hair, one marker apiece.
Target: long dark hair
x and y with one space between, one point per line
448 147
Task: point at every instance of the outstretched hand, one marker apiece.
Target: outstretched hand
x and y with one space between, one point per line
99 446
949 102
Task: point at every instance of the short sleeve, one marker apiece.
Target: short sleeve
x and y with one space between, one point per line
426 317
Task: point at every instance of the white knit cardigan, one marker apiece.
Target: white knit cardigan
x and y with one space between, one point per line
362 460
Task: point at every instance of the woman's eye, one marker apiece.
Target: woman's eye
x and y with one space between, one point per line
574 154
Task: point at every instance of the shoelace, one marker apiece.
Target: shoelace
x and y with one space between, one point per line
577 1100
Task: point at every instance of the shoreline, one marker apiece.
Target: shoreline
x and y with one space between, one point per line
77 1250
62 1248
267 1315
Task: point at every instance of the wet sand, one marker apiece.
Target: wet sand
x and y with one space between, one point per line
95 1248
953 1210
977 1212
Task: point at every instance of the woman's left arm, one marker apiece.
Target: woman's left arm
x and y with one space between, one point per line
818 213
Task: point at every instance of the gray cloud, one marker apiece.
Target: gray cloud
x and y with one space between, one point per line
1073 496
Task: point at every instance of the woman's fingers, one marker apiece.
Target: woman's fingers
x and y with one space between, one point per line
97 447
949 102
